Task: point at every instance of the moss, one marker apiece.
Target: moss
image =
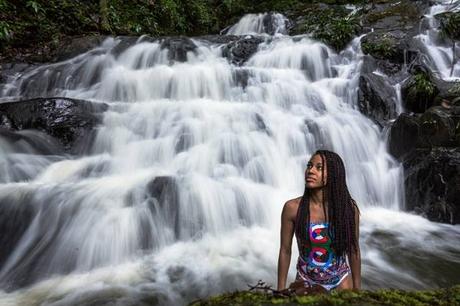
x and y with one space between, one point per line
440 297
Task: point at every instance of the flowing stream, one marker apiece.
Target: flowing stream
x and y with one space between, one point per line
228 144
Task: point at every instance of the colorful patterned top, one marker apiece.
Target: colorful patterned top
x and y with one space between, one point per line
319 264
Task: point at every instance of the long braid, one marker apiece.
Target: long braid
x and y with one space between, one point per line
340 210
341 207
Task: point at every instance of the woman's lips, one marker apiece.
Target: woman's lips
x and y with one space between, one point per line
310 179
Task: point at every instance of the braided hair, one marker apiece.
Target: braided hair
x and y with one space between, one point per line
340 210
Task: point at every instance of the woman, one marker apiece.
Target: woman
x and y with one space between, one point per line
325 221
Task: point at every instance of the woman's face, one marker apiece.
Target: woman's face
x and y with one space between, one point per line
314 173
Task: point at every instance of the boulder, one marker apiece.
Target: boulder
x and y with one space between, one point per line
392 25
432 180
403 136
163 196
418 92
68 120
394 46
239 51
429 147
178 47
438 127
376 98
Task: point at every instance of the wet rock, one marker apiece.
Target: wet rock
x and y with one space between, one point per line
394 46
403 136
71 47
219 39
392 25
68 120
241 76
163 196
178 47
440 127
16 214
437 127
376 98
428 145
241 50
432 180
271 23
330 24
419 91
27 142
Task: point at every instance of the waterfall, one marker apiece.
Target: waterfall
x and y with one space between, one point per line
269 23
439 49
181 193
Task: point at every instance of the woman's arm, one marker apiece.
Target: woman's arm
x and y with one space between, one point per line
287 231
355 257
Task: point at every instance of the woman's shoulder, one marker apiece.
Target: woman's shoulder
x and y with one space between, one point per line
293 203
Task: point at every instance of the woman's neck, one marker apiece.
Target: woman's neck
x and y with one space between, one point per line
316 197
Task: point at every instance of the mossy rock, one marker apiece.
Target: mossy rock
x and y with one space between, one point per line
392 14
438 128
440 297
330 24
419 92
450 24
380 46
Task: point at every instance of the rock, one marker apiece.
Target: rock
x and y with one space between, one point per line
73 46
418 92
432 180
27 142
178 47
403 136
238 52
330 24
15 219
376 98
429 147
450 24
439 127
163 196
394 46
272 21
393 24
219 39
68 120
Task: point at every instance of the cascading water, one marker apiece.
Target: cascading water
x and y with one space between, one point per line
442 57
267 23
227 146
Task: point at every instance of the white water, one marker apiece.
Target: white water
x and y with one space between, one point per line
260 24
439 49
235 154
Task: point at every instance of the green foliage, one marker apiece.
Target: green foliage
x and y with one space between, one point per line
450 25
423 85
332 26
382 49
440 297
